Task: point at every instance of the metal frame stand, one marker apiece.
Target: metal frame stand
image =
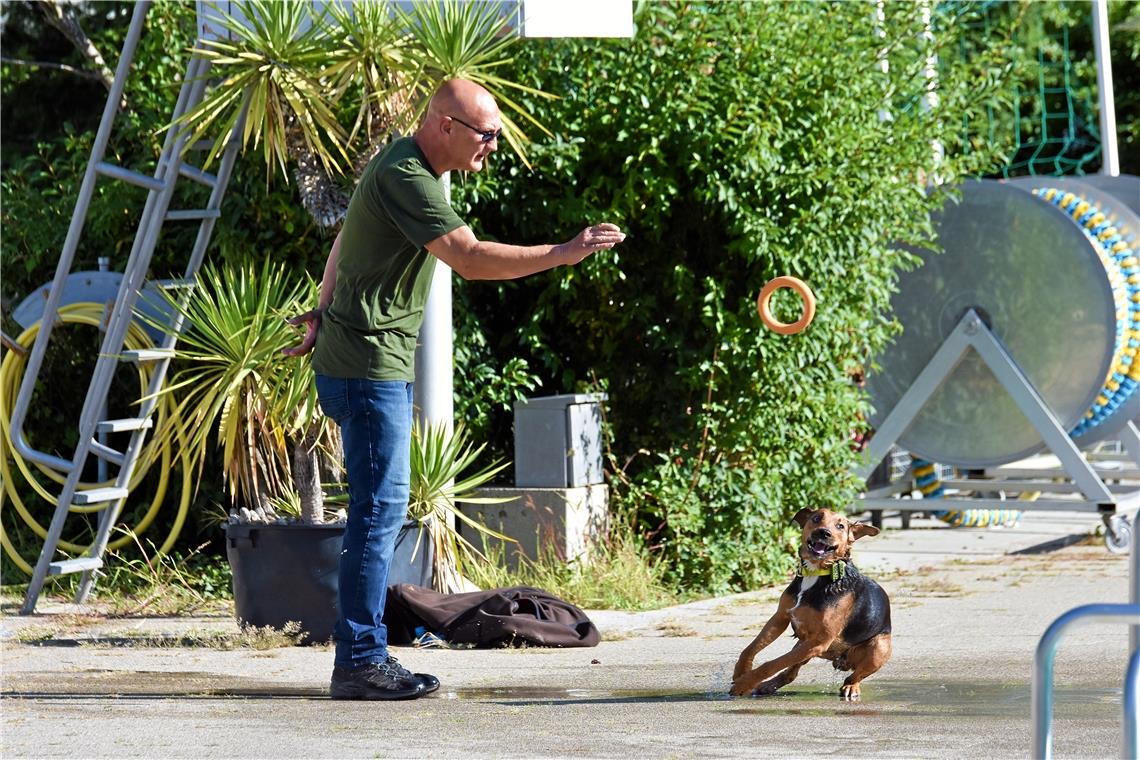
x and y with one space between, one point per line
1076 485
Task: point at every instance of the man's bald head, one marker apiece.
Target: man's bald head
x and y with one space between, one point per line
462 97
460 128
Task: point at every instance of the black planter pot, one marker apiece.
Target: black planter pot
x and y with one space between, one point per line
285 573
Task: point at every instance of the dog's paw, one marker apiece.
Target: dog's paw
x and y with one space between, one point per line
767 689
849 693
740 688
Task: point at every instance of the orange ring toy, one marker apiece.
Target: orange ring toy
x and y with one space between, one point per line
796 284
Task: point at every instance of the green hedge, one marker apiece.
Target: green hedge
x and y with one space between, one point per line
734 142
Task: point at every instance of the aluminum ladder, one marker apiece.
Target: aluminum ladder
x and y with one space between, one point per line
155 212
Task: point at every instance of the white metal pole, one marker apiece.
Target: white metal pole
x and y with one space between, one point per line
931 100
884 64
1134 586
432 394
1110 156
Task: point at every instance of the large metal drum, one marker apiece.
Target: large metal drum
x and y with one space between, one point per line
1040 284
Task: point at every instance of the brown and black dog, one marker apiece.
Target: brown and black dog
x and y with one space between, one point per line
835 611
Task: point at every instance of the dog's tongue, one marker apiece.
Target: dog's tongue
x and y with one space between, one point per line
819 547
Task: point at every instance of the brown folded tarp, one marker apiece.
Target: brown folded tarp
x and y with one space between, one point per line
494 618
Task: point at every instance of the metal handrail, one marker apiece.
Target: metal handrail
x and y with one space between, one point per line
1131 701
1043 659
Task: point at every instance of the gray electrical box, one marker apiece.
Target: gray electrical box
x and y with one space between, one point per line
558 441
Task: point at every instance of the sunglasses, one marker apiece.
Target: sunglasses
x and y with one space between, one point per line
488 136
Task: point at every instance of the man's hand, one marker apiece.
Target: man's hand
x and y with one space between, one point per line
597 237
312 322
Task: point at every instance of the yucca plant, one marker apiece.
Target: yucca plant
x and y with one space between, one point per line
454 39
442 475
233 379
368 64
295 67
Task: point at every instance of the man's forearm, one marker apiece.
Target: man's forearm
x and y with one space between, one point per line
328 279
488 260
474 259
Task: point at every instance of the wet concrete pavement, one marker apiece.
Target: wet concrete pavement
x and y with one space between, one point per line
968 606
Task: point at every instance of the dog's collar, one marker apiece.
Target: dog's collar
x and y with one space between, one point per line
837 571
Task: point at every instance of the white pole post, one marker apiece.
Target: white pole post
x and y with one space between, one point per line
1110 156
931 100
432 393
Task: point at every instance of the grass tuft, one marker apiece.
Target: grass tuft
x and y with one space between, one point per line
618 576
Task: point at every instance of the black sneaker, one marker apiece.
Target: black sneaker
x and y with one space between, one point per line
378 680
430 682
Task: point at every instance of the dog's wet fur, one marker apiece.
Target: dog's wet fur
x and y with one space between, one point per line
846 620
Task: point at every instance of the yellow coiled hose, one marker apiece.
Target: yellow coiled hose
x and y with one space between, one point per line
168 427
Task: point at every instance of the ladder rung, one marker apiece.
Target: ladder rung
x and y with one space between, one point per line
12 344
126 175
202 145
100 495
79 565
121 425
176 284
196 174
193 213
107 453
147 354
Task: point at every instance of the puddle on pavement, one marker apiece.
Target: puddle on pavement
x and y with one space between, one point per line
920 698
882 697
147 684
579 696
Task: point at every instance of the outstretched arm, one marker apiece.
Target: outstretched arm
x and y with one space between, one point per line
312 319
474 259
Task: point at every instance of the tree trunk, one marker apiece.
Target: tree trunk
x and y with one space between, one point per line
320 195
63 19
307 476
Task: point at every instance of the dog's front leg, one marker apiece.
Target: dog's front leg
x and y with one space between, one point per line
769 633
801 653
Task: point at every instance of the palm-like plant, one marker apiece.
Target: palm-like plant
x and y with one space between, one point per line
272 67
368 62
234 378
465 40
295 68
442 475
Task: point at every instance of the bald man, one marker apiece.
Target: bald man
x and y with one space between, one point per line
364 331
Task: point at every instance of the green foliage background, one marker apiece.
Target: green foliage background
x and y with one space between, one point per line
734 142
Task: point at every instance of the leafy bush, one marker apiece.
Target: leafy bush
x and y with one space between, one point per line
734 142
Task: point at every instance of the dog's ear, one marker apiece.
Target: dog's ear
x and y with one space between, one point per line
802 516
858 530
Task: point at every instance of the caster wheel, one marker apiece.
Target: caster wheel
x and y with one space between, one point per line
1118 534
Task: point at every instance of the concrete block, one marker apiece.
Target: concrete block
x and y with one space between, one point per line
568 521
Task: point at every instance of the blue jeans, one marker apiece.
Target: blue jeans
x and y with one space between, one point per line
375 419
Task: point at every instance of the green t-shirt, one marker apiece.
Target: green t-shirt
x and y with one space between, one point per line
383 273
